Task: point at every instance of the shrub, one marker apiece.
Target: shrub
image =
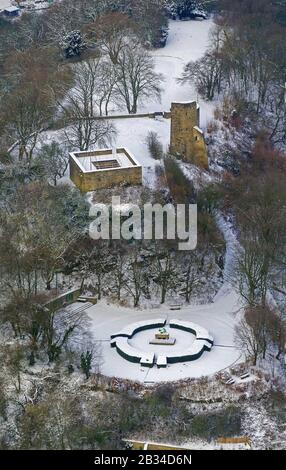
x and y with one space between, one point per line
154 145
182 190
86 362
225 423
3 403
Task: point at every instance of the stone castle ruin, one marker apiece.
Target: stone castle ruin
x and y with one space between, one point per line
106 168
187 139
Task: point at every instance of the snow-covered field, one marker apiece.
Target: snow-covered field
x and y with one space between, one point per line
5 4
188 40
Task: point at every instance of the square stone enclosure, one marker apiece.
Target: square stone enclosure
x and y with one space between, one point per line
104 168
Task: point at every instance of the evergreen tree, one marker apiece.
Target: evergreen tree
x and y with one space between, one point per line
184 9
86 362
73 44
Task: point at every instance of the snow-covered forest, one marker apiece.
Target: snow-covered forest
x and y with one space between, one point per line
86 75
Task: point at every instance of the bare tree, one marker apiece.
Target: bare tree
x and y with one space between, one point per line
165 271
15 355
136 78
106 88
40 233
154 145
259 204
29 111
112 32
207 73
118 273
277 331
247 341
30 103
95 262
53 161
80 110
191 267
256 331
91 358
135 278
58 327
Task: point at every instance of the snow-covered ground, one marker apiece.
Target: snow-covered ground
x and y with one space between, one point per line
132 134
187 41
5 4
218 318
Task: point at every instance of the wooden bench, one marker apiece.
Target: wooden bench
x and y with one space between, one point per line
244 376
230 382
176 307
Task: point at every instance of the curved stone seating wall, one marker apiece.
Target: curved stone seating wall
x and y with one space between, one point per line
203 342
191 354
134 328
132 354
197 330
120 342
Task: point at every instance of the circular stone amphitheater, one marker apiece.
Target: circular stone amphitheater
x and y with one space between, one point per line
163 348
155 345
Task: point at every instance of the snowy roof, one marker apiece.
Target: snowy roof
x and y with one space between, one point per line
199 129
104 159
11 9
187 103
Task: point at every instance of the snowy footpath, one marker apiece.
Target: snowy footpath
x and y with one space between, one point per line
187 41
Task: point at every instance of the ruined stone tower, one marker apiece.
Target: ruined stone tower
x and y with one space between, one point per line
187 139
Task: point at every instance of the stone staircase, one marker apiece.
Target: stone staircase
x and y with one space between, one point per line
71 314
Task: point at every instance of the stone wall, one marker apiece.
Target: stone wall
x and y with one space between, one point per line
200 155
63 299
100 179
